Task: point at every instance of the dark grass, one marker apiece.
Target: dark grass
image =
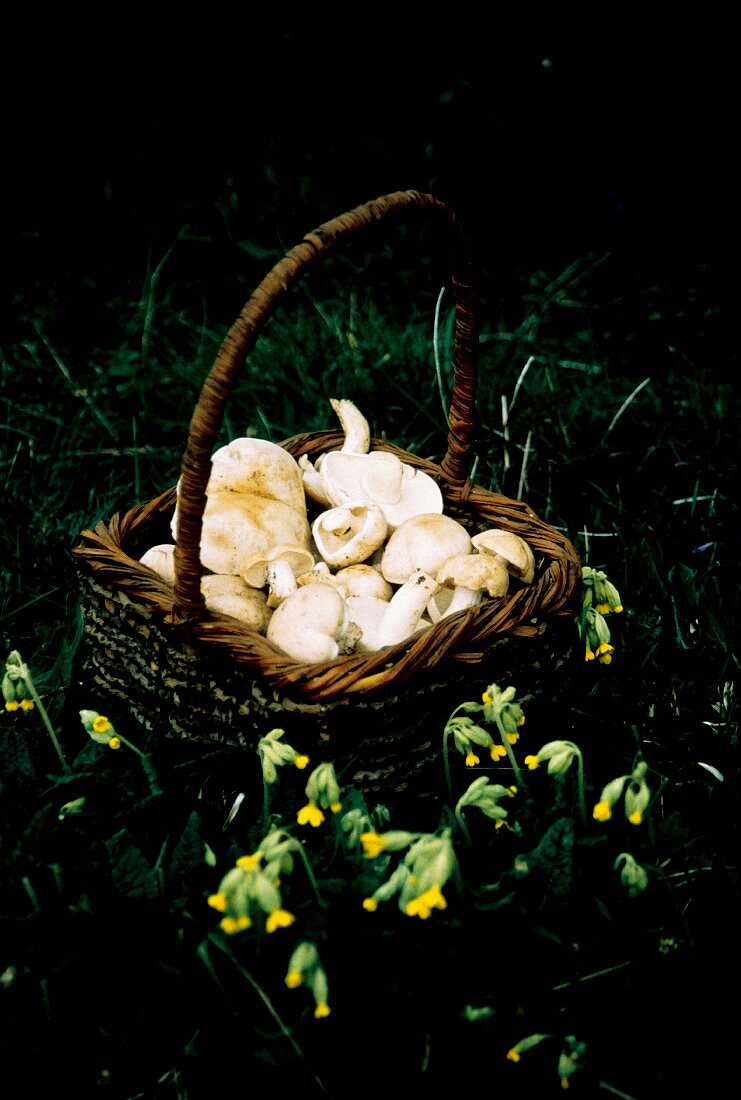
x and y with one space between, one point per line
114 978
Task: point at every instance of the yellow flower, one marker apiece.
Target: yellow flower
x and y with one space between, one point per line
27 704
114 743
249 863
101 724
588 656
301 762
230 925
279 918
293 979
12 704
497 752
322 1010
310 814
486 698
564 1082
423 905
218 902
521 720
335 807
514 1055
602 811
532 762
604 608
513 738
471 760
500 823
370 904
636 817
373 844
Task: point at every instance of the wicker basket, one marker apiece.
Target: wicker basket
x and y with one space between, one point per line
155 652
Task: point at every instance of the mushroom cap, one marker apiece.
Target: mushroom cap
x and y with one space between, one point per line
479 572
161 559
423 542
362 581
235 524
313 624
231 596
349 534
253 568
260 468
513 551
383 479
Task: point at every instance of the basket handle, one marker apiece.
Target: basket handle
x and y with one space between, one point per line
242 337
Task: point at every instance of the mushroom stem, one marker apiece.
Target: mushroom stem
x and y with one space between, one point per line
281 581
354 425
406 607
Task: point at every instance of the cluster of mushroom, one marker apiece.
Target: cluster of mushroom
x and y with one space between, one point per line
379 562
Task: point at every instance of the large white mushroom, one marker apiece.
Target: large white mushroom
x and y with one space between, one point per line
423 542
236 522
313 624
259 468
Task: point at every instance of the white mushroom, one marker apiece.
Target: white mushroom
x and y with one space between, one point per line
231 596
466 578
161 560
234 523
313 624
362 580
277 568
423 542
510 549
383 479
407 606
367 612
260 468
348 535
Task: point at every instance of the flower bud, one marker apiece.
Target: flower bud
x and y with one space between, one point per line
633 877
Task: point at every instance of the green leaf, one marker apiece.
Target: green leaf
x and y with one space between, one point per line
132 875
187 854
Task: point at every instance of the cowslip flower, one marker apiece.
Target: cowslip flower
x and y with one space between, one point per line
274 754
323 793
305 968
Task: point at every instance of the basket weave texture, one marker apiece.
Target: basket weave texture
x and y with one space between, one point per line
120 595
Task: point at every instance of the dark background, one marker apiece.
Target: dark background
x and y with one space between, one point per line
551 142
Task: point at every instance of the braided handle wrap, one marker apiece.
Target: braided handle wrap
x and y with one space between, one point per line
242 337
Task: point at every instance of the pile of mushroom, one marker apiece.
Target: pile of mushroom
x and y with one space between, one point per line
379 563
